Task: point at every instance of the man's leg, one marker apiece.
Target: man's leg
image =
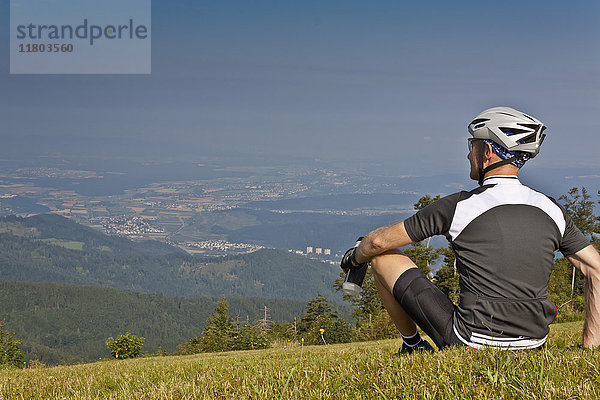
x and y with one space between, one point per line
386 269
410 297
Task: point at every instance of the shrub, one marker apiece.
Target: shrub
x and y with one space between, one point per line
192 346
377 326
223 334
248 337
125 346
320 324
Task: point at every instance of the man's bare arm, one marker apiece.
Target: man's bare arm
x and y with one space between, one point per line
587 261
381 240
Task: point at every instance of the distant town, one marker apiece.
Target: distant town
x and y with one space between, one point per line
320 253
218 208
181 212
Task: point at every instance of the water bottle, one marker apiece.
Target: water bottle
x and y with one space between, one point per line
353 281
354 278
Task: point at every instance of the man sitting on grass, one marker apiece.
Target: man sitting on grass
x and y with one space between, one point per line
504 236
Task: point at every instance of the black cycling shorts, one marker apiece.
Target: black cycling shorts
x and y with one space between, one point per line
428 306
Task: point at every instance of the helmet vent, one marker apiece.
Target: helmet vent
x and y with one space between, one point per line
513 131
530 126
528 139
479 121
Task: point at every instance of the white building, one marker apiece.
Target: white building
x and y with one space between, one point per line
309 250
327 252
319 250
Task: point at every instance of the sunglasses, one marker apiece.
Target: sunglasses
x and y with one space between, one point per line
470 143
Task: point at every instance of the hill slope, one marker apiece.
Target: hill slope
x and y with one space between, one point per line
52 226
349 371
34 249
60 323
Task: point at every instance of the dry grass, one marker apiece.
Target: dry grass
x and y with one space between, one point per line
352 371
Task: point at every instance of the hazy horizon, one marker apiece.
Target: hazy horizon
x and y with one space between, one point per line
383 82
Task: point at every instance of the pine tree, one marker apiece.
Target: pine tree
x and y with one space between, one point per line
219 331
372 319
580 208
423 256
446 278
317 309
10 351
248 337
559 288
319 323
368 303
421 253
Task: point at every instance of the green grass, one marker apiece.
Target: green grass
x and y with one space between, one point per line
68 244
351 371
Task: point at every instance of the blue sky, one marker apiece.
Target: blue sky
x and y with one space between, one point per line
373 81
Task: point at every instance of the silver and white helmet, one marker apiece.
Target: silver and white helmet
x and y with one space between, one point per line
510 128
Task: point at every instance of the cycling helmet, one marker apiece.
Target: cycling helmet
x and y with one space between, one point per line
513 130
515 136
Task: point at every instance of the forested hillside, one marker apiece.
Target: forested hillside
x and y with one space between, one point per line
49 248
60 323
52 226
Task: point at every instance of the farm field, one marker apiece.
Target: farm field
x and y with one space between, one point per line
364 370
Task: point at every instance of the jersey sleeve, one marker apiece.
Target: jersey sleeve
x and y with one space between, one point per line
573 240
435 219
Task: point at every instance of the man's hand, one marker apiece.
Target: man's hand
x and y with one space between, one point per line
349 259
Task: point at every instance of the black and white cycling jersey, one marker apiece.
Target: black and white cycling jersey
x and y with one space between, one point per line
504 235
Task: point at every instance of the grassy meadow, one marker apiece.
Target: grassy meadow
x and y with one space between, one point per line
355 371
67 244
